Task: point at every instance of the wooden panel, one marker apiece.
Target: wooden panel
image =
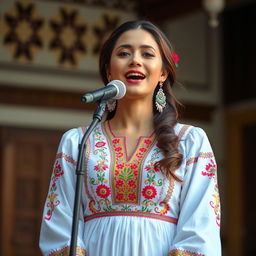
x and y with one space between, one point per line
27 159
7 198
11 94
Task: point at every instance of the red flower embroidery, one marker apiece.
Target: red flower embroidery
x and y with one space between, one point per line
57 170
100 144
119 154
148 168
211 169
149 192
101 166
139 155
147 141
126 181
119 183
132 196
115 141
103 191
151 167
156 169
120 166
132 183
119 196
52 201
134 166
54 186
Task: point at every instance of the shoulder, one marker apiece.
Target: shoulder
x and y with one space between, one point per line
73 133
188 132
191 138
72 137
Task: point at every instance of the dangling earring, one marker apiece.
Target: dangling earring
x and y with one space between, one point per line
111 105
160 99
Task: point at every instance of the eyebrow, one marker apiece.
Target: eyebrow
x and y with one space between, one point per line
130 46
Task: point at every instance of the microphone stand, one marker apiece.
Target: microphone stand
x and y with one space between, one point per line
97 117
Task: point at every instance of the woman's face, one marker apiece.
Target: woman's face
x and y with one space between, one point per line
136 60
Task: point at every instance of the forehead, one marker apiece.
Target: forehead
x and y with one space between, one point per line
137 37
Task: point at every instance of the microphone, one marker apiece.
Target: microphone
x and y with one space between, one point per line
115 89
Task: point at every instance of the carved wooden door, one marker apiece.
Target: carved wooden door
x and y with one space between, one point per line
26 159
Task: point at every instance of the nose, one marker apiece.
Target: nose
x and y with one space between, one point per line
135 60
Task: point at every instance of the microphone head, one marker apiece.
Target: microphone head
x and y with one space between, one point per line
121 88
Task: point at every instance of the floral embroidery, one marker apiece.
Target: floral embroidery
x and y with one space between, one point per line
149 192
65 252
103 191
100 144
126 176
178 252
92 206
52 202
102 165
67 158
116 180
193 160
165 209
210 169
216 204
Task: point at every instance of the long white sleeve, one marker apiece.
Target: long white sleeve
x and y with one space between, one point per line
198 228
56 225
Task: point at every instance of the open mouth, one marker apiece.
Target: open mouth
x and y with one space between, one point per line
134 76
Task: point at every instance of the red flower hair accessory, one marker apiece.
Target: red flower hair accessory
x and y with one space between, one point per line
175 58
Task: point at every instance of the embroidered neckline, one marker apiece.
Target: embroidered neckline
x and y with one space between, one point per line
109 131
126 174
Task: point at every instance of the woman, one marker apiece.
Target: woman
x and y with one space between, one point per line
150 186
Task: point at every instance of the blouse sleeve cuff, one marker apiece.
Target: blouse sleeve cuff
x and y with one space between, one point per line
178 252
65 252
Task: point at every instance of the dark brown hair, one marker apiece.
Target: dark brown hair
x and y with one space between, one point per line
165 121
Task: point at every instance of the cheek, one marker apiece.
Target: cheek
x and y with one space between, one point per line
156 70
115 67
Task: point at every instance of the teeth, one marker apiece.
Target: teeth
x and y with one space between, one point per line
135 75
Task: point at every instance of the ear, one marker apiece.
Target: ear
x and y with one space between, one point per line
164 75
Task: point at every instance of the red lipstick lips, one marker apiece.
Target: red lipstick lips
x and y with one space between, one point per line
134 76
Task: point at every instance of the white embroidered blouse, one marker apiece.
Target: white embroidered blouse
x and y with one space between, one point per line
128 207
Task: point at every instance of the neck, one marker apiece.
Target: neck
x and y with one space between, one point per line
135 117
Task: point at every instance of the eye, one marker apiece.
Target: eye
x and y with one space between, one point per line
123 54
148 54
